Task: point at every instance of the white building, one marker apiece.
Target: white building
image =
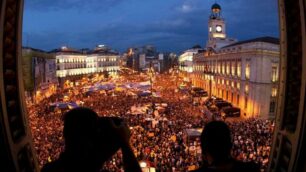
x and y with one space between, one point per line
103 59
75 63
70 62
244 73
185 60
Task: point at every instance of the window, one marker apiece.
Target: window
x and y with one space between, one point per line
238 85
272 106
223 67
216 67
228 68
274 73
247 70
239 68
238 99
233 68
246 88
246 103
274 92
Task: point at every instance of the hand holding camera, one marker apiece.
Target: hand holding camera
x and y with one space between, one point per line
121 130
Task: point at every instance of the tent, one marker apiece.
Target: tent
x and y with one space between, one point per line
144 94
192 134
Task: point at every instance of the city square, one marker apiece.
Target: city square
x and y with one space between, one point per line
146 86
158 121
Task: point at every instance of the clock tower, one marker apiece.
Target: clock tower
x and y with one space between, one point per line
217 30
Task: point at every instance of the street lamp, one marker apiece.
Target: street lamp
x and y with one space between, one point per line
151 72
143 164
210 78
145 167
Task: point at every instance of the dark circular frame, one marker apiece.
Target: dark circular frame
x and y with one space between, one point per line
288 150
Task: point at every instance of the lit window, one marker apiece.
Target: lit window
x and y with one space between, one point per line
233 84
239 68
274 92
228 68
247 89
274 73
247 70
233 68
223 68
238 85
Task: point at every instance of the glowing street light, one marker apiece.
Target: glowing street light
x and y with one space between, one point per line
143 164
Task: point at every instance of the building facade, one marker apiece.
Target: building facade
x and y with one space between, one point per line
70 63
39 73
243 73
185 60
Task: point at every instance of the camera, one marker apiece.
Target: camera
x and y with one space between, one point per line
107 134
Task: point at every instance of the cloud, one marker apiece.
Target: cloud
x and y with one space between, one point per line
186 8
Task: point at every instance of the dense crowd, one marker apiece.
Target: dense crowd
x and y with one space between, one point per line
160 141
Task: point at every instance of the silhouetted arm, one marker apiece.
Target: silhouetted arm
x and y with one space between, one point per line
130 162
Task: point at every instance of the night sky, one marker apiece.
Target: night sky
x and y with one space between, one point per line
170 25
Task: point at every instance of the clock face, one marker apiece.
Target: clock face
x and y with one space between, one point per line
219 29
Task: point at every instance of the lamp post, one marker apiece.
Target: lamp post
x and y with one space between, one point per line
210 85
151 72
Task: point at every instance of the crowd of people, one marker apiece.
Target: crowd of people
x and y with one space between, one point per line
161 141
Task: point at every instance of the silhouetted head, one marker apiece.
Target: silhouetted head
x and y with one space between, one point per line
80 124
88 138
216 141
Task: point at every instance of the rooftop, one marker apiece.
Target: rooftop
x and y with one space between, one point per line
266 39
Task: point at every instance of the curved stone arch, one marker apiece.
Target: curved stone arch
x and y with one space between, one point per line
288 151
289 145
16 142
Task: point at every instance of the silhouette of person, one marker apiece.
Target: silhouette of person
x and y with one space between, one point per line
90 141
216 145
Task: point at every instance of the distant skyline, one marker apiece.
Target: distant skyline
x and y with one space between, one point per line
171 25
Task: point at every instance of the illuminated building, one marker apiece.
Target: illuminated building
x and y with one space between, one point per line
76 63
244 73
185 60
103 59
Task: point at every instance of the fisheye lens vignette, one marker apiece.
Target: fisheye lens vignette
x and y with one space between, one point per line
166 99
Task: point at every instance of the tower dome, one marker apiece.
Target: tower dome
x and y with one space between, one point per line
216 8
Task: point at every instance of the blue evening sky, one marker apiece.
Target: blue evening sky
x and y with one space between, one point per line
170 25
